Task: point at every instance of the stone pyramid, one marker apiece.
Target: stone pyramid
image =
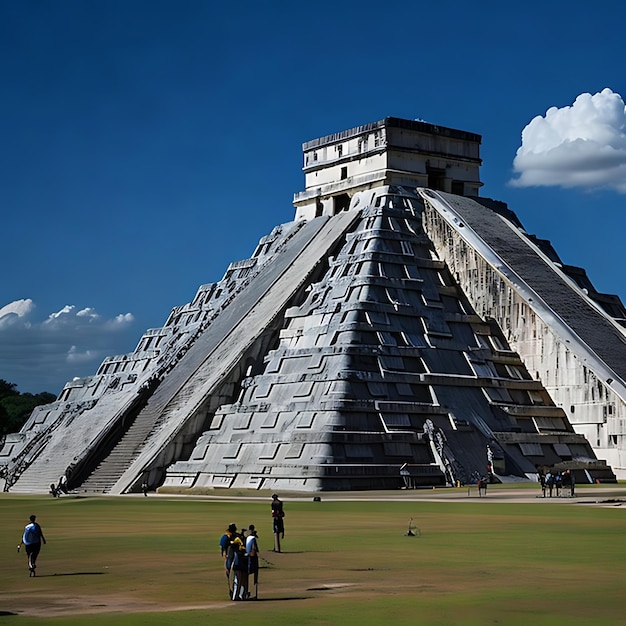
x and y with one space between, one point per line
397 333
385 365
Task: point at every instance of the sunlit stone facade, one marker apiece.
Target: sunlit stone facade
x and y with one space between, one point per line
401 331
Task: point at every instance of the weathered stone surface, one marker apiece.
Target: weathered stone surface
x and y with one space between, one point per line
383 364
569 336
391 335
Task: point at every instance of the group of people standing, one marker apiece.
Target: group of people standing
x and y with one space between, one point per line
557 481
240 552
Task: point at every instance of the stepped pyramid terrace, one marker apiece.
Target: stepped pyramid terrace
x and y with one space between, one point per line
401 332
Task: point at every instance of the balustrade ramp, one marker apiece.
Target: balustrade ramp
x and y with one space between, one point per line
567 308
181 400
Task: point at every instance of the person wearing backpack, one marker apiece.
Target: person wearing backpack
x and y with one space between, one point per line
32 538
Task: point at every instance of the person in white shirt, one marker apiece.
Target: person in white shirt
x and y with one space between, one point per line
252 550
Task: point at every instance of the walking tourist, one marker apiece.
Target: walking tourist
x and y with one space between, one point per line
32 538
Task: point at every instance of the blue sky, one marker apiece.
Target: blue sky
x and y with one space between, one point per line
146 144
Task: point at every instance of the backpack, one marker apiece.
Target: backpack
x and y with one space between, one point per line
32 534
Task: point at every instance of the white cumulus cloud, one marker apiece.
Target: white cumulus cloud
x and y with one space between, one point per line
42 353
582 145
65 311
16 309
89 313
123 319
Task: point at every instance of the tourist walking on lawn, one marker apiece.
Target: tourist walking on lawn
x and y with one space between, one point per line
278 523
32 538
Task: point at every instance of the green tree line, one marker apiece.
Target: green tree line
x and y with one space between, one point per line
15 407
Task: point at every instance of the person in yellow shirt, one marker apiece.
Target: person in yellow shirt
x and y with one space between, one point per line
240 568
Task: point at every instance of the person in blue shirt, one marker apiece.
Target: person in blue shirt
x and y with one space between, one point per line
32 538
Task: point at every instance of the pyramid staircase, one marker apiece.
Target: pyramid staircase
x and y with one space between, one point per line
209 369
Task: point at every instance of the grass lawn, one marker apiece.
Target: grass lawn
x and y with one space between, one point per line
155 560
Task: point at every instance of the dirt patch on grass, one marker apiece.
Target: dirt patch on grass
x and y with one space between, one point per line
51 606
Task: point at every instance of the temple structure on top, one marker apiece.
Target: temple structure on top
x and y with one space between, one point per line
393 151
400 332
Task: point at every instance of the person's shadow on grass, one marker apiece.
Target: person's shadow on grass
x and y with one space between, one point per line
74 574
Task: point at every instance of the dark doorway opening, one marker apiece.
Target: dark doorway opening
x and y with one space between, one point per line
436 178
341 203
